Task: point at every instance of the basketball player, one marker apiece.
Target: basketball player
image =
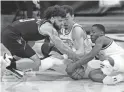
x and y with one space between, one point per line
15 37
75 36
111 54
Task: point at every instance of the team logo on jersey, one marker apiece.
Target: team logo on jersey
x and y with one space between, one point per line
20 41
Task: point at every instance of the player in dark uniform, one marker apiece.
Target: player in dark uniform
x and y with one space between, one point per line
15 37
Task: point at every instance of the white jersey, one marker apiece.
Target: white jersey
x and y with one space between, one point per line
112 49
67 38
116 52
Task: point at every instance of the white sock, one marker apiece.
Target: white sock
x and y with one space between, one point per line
119 77
7 61
108 80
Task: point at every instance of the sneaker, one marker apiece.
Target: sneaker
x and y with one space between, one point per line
19 74
113 79
8 60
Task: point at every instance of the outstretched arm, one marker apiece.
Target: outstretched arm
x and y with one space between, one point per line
63 48
88 57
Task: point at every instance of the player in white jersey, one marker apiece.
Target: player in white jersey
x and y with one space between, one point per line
75 36
110 54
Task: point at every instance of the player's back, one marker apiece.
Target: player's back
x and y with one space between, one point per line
28 29
112 49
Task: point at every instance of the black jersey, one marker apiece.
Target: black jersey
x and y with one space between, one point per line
28 29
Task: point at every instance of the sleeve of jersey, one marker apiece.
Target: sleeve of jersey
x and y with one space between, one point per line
44 31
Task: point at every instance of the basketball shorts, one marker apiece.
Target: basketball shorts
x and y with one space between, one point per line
118 62
13 41
47 47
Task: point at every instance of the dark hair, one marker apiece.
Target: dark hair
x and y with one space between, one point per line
101 27
54 11
68 9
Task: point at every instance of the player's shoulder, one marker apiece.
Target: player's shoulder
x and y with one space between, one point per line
77 28
46 26
79 31
104 38
100 39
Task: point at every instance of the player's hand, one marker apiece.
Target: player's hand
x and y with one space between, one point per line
71 68
74 57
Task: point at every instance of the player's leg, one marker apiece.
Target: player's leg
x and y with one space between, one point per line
92 65
17 46
54 58
97 75
29 59
28 63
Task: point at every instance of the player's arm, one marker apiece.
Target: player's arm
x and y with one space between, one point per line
78 36
63 48
88 57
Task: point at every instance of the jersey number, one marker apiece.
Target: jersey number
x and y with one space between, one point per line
24 20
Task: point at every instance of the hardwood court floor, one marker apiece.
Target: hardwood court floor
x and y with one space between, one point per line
56 82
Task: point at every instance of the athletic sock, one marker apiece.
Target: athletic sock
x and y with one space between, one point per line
13 63
10 61
119 77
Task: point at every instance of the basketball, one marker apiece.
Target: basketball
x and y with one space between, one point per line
78 73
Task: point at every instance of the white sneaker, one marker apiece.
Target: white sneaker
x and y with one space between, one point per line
7 58
113 79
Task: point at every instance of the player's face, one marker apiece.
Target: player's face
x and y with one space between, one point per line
68 20
95 33
58 22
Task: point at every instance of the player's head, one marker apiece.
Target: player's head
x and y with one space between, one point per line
97 31
56 15
69 15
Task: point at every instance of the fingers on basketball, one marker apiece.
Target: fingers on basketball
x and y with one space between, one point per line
78 74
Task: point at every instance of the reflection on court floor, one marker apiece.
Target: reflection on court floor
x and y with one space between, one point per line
60 86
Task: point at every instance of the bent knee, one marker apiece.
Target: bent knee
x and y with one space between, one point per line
92 75
96 75
36 60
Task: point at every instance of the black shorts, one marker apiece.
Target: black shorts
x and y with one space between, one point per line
13 41
47 47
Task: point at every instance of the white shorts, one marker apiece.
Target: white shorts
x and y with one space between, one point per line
119 62
92 65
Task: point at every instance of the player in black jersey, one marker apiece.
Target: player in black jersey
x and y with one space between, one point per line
15 37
